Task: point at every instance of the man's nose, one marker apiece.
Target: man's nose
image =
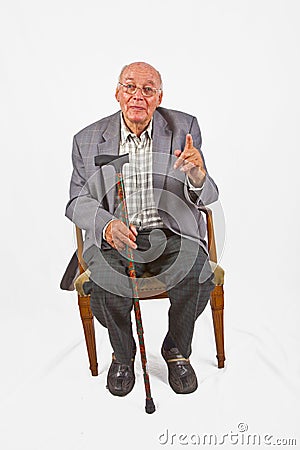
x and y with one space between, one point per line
138 94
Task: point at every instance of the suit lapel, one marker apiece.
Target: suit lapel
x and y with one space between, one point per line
110 146
111 137
162 147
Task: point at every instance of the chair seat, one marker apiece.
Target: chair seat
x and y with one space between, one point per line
149 286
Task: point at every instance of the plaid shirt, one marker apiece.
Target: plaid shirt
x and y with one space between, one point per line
138 178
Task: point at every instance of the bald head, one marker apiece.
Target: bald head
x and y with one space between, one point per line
140 66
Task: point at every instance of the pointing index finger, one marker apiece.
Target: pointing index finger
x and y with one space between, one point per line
188 141
181 156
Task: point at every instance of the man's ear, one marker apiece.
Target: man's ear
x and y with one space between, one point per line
117 93
160 98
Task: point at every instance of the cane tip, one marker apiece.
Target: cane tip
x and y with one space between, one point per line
150 407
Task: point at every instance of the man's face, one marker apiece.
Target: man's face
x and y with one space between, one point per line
137 109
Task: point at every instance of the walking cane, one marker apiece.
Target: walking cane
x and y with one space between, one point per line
117 162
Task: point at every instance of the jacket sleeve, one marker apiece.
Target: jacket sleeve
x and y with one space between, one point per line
209 193
87 212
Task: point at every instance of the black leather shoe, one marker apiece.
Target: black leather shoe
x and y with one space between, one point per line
120 378
182 377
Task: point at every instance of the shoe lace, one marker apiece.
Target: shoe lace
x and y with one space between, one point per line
123 371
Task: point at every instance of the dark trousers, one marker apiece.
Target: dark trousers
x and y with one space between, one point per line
181 264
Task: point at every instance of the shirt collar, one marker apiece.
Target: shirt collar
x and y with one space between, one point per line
125 132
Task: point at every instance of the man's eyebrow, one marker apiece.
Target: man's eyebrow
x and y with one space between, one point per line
147 82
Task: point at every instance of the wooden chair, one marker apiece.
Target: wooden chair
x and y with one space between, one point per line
216 297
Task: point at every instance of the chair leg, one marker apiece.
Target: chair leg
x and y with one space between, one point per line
89 331
217 307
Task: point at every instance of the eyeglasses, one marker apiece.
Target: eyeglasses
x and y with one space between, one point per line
147 91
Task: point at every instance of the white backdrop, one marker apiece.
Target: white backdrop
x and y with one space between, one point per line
233 64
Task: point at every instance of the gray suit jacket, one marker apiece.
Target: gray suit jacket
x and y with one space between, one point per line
92 200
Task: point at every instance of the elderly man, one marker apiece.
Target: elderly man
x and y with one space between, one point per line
166 183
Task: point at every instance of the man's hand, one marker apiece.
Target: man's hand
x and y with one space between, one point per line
118 235
190 162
